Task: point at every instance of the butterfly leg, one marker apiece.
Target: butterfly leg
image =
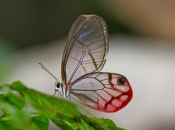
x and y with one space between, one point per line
59 95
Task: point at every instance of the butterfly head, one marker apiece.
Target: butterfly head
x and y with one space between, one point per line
57 86
60 87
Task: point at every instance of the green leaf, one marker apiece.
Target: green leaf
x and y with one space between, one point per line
23 120
23 108
11 100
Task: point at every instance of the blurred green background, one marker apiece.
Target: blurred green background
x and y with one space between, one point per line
31 22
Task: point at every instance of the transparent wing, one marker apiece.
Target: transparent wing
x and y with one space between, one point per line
85 49
107 92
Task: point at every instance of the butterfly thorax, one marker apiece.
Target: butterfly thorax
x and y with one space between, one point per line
63 89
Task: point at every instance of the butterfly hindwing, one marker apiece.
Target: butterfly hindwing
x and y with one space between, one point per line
108 92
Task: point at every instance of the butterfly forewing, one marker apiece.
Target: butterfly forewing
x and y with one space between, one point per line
85 49
108 92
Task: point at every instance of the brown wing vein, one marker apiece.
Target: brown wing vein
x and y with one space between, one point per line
93 49
91 60
95 64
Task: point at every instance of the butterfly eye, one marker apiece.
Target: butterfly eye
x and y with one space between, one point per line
121 81
57 85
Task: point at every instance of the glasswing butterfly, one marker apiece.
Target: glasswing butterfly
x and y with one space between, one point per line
83 58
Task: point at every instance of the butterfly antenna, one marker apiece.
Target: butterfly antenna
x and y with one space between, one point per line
44 68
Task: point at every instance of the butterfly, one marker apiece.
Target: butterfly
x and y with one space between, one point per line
83 58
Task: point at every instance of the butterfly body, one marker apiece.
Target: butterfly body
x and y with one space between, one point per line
83 58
